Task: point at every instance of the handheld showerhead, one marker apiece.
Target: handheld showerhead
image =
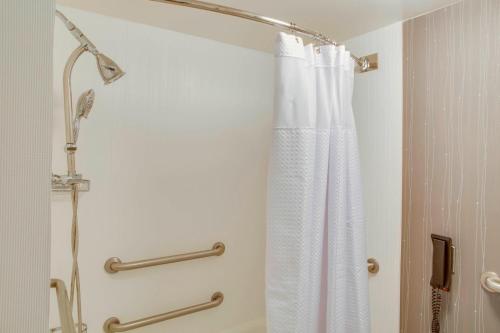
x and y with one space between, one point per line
83 108
85 103
108 69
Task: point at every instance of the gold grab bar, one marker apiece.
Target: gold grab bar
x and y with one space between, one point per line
373 265
113 324
115 265
67 323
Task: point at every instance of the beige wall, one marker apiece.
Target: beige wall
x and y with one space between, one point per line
176 152
452 162
26 34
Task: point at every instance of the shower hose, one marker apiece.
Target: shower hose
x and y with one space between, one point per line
75 272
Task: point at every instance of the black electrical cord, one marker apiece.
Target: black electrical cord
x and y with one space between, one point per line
436 309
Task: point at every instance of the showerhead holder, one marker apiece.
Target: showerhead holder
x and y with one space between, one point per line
66 183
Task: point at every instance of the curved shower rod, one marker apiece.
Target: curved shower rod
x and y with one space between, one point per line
365 64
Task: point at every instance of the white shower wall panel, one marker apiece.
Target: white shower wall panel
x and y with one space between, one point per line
378 109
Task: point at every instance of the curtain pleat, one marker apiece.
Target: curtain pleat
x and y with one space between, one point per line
316 275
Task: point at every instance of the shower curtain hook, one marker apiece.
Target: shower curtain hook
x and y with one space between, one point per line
293 29
319 41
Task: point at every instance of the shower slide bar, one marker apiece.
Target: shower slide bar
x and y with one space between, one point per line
490 281
113 324
115 265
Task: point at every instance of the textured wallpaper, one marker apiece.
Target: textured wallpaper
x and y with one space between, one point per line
26 34
452 162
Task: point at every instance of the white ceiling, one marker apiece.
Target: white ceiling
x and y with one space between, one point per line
338 19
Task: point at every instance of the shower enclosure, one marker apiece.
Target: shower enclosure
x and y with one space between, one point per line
169 176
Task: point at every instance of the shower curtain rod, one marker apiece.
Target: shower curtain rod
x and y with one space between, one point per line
365 64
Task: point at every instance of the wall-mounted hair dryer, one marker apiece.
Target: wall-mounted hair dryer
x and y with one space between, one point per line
442 270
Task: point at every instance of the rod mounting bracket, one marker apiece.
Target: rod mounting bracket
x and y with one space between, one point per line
368 63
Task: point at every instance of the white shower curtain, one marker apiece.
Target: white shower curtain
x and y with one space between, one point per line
316 262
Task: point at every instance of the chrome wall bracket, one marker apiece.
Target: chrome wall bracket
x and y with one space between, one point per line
368 63
64 183
373 265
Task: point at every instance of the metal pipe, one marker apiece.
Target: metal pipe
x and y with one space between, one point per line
113 324
67 323
68 109
77 33
362 62
114 264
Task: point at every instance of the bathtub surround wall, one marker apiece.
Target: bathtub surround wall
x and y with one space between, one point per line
181 144
452 162
26 34
377 103
176 152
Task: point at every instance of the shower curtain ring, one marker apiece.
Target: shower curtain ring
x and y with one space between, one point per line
293 29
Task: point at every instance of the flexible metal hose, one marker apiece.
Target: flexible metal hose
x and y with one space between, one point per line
75 271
